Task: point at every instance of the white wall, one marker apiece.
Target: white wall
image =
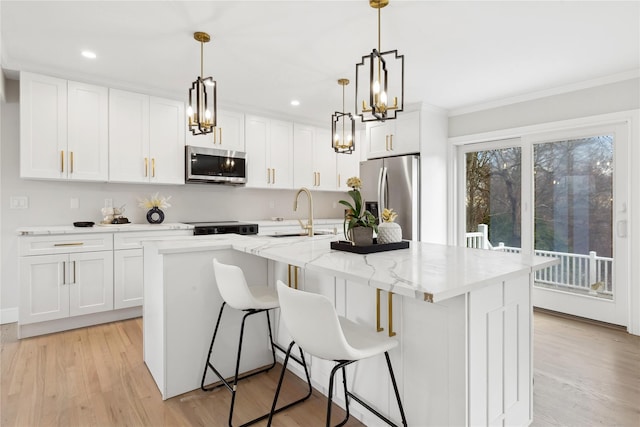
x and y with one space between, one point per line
49 202
587 106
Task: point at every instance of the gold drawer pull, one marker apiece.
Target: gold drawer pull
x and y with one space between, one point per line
378 327
390 300
295 276
69 244
62 161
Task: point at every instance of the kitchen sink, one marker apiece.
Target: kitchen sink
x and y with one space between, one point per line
301 233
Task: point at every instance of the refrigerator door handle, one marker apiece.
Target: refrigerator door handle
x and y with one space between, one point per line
384 192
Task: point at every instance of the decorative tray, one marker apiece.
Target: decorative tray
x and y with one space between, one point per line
346 246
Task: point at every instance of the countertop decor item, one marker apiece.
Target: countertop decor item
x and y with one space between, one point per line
155 204
359 223
83 224
388 230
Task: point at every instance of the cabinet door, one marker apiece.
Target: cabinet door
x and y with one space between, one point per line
128 278
228 135
257 137
281 153
378 139
304 175
91 282
88 137
405 138
44 290
324 160
128 137
166 141
43 127
348 165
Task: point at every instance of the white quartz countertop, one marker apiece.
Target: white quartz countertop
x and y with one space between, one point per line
99 228
426 271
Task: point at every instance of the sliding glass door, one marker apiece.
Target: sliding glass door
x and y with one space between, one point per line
556 195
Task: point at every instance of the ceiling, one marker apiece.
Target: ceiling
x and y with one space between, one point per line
263 54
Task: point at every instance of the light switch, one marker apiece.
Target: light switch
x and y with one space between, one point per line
18 202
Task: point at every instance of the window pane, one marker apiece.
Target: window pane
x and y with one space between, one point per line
493 198
573 212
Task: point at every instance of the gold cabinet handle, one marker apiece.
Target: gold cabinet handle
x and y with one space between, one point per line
220 132
390 302
378 327
64 272
71 161
295 276
62 161
268 175
339 184
215 137
153 167
74 272
69 244
390 142
146 167
386 143
318 179
274 175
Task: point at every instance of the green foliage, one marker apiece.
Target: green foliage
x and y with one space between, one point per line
357 215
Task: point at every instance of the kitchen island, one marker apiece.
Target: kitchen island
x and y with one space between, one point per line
462 317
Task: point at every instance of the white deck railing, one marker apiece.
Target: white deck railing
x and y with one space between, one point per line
591 272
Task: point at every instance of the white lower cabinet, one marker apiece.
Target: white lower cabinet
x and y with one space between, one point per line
63 285
128 265
94 277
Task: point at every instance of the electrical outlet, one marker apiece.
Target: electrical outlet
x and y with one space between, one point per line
335 205
108 203
18 202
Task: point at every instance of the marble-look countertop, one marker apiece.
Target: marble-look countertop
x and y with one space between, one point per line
99 228
427 271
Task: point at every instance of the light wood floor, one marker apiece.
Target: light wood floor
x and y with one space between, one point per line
584 374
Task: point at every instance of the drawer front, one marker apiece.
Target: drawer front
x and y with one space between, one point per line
59 244
132 240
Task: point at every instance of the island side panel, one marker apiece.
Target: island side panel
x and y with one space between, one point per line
153 316
500 372
191 306
434 347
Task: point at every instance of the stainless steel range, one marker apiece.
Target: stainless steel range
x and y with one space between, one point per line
224 227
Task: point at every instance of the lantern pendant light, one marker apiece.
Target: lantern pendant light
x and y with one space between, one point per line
382 72
343 127
202 111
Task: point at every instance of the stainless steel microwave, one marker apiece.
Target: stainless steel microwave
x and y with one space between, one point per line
211 165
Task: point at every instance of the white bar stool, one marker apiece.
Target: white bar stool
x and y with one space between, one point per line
252 300
317 329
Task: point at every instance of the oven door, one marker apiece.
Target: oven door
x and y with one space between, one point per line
211 165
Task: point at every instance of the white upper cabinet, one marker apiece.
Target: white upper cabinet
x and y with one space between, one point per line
128 136
348 165
88 132
315 159
227 135
394 137
146 138
63 129
269 146
166 141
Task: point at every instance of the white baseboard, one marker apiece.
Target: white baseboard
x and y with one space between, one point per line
8 315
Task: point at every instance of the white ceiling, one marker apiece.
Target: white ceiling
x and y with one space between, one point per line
265 53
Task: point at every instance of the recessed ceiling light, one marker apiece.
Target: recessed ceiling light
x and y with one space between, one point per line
295 102
89 54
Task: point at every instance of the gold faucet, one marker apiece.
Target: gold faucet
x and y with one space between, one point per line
309 226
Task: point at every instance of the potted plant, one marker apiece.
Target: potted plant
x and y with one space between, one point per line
388 230
155 204
359 223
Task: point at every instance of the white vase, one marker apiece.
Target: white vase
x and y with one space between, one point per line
389 232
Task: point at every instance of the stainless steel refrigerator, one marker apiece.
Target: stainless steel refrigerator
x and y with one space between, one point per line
394 182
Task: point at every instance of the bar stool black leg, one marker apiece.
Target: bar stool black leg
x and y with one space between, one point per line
208 364
395 389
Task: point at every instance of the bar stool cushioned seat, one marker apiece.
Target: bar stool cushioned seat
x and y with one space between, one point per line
317 329
252 300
